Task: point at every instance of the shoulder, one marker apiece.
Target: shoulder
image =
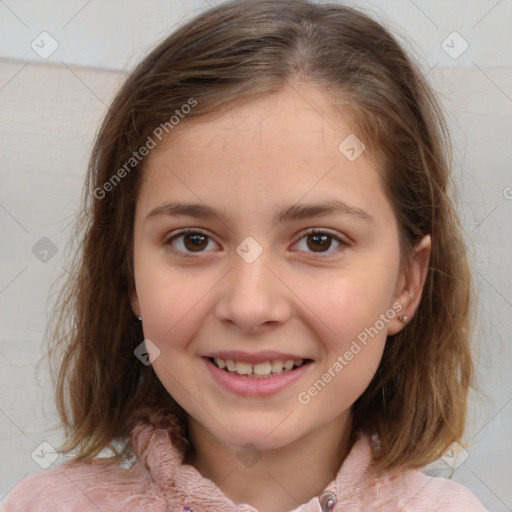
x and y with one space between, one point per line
85 486
419 492
407 490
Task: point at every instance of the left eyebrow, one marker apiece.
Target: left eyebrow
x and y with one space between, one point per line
294 212
304 211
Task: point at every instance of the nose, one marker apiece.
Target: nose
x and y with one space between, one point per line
253 296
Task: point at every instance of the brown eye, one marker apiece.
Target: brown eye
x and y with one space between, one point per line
195 242
189 241
319 242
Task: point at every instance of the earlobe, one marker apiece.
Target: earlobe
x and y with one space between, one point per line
410 285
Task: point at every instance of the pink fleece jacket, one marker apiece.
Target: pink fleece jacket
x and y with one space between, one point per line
158 482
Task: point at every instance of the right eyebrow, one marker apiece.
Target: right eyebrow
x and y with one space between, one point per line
196 210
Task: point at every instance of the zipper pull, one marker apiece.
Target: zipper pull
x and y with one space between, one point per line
327 501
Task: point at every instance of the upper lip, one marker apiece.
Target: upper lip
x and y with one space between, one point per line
258 357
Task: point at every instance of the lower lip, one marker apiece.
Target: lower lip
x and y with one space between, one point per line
249 386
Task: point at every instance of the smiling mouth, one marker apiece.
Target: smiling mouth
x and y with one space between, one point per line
263 370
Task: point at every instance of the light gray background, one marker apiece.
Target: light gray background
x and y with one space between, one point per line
51 108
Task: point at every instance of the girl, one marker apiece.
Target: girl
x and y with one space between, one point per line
267 313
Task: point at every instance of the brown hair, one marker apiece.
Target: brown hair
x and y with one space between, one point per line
229 54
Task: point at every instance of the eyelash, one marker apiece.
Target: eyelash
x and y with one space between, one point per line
312 231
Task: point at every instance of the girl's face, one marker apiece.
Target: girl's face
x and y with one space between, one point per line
251 284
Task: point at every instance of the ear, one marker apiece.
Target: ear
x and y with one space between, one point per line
410 284
134 301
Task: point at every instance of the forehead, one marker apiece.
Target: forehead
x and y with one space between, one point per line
273 150
302 110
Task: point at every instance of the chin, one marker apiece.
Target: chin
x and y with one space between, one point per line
262 433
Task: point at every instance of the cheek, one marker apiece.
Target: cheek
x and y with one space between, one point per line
173 307
352 309
170 299
344 306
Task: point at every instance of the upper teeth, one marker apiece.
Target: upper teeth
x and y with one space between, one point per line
264 368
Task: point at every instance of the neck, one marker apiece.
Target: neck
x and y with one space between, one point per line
275 480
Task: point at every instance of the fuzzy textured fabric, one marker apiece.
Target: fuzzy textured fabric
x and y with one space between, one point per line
158 482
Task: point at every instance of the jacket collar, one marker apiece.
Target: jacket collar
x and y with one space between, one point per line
187 490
